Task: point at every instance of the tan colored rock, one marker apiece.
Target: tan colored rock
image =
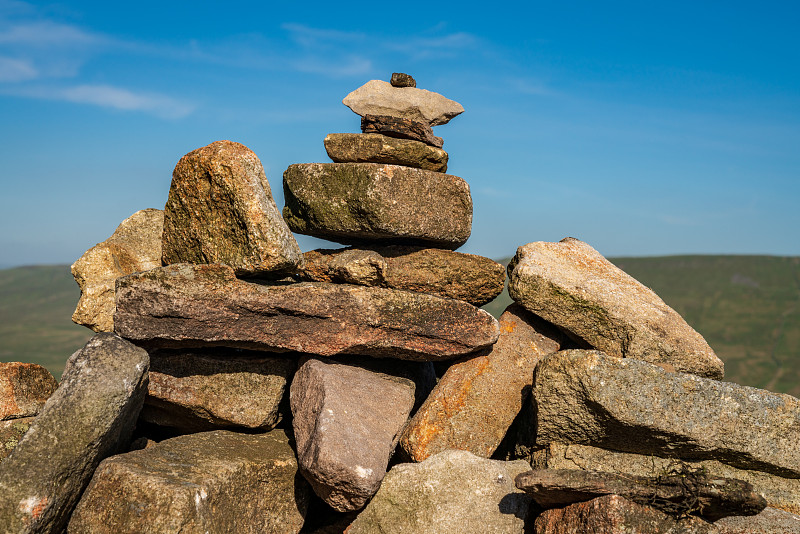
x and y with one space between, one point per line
446 273
571 285
220 210
134 246
770 521
24 389
11 432
477 399
377 97
377 148
781 493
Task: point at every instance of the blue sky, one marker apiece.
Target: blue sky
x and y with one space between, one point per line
642 128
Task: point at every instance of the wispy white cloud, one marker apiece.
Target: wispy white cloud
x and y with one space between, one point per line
16 70
308 36
47 34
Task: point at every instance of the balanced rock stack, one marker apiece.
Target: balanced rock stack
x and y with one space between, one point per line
239 385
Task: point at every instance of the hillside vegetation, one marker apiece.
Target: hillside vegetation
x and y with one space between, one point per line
747 308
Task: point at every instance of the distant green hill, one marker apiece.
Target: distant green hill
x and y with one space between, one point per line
747 308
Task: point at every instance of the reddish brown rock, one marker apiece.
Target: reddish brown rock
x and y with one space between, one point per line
401 79
377 148
400 128
446 273
24 389
220 210
218 388
613 514
200 305
478 398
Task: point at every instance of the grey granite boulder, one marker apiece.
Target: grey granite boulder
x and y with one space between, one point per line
89 417
24 389
354 203
377 97
134 246
212 482
629 405
571 285
377 148
770 521
220 210
206 305
453 492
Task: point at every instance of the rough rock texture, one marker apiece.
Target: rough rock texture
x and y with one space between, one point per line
378 148
613 514
783 493
200 305
676 494
212 482
220 210
770 521
347 419
478 398
134 246
377 97
453 492
218 388
89 417
401 129
571 285
446 273
401 79
24 388
629 405
362 202
11 432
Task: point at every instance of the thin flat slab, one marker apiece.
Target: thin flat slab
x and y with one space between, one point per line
377 97
378 148
206 305
571 285
401 129
354 203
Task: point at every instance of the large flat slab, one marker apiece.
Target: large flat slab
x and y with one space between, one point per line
377 148
377 97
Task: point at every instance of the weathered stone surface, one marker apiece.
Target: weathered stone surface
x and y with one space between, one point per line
446 273
347 419
478 398
571 285
401 79
400 128
201 305
629 405
366 202
218 388
613 514
134 246
679 494
89 417
24 388
782 493
378 148
770 521
212 482
11 432
377 97
453 492
220 210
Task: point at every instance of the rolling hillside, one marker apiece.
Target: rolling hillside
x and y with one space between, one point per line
747 308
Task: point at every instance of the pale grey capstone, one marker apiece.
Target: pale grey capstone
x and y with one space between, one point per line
628 405
377 97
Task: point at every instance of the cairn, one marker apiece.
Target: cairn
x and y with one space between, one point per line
239 385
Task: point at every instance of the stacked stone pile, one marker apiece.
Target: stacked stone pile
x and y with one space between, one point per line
239 385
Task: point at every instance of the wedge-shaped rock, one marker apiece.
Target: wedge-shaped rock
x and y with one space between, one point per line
770 521
347 419
446 273
211 482
401 129
629 405
377 97
377 148
217 388
782 493
24 388
200 305
134 246
453 492
89 417
478 398
571 285
220 210
11 432
613 514
363 202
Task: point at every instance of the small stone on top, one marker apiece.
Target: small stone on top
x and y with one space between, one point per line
401 79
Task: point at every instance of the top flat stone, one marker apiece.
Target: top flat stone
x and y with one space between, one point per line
377 97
